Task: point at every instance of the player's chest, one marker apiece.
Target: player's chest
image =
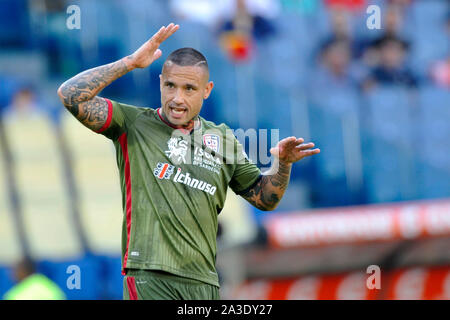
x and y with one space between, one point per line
194 160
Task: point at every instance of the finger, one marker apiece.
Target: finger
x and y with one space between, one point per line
299 141
288 139
291 143
155 40
286 142
166 30
157 36
305 146
170 30
161 35
307 153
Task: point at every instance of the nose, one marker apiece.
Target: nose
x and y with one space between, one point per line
178 98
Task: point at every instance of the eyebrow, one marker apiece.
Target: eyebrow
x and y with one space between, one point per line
166 82
191 85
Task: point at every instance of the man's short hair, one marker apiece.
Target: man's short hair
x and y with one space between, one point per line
187 57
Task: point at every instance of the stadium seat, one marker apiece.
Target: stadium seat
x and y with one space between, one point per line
328 117
333 121
11 249
389 156
434 181
41 183
435 117
390 111
429 14
98 185
435 136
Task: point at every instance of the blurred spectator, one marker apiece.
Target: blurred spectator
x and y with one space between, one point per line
336 58
393 26
22 101
401 3
391 68
254 22
440 73
334 66
393 20
32 285
239 32
342 28
340 22
440 70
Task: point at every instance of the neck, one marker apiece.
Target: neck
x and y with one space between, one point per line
187 126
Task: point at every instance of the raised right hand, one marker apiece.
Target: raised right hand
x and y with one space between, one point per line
149 51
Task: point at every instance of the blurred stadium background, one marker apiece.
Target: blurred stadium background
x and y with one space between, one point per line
375 101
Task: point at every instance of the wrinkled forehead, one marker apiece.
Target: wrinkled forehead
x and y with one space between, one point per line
197 72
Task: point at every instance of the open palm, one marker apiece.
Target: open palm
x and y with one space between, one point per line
291 149
149 51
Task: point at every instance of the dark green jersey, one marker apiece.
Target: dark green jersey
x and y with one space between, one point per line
174 185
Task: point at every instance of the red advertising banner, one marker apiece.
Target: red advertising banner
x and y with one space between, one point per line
432 283
359 224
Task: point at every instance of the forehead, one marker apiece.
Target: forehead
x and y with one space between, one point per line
174 72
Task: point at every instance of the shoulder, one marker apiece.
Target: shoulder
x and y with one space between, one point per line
129 106
131 111
211 126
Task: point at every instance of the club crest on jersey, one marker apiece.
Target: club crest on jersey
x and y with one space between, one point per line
212 141
163 170
177 150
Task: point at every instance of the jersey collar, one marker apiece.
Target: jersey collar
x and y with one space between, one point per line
197 123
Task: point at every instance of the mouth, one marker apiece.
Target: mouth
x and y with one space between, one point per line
177 112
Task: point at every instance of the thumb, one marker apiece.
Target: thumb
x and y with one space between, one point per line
157 54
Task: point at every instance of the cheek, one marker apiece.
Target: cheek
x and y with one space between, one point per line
165 96
196 101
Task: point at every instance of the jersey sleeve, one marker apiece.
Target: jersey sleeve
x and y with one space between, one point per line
246 173
120 118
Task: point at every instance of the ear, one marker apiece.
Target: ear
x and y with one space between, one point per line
160 82
208 89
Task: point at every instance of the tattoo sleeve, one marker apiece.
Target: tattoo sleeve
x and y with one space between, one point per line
267 193
79 94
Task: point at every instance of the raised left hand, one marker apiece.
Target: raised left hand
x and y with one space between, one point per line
292 149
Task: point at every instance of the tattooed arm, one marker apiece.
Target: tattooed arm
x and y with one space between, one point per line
269 190
79 94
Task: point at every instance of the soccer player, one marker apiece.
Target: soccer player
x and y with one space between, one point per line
173 186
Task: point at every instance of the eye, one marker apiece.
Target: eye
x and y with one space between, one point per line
170 85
